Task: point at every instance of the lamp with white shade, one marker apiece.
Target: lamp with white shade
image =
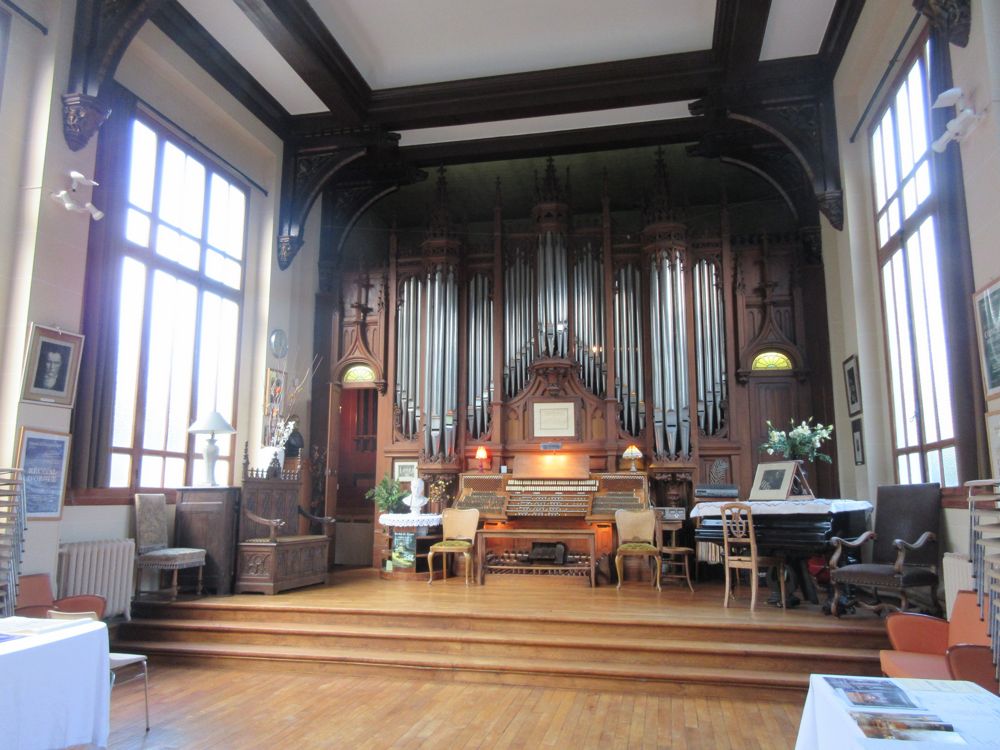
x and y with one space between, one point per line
209 424
633 454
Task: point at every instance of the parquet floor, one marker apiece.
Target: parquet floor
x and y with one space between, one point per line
203 707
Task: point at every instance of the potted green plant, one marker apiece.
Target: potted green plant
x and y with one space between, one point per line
387 495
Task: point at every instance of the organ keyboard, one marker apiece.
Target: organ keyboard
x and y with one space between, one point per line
502 497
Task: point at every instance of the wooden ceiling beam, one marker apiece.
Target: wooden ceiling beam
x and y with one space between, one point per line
739 35
302 39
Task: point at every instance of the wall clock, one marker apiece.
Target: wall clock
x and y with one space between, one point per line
278 342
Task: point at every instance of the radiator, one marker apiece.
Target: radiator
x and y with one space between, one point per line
104 568
957 577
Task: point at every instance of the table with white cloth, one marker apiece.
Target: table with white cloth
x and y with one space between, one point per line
55 683
796 530
842 713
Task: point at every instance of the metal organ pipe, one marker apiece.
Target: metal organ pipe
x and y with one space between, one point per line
408 396
519 304
668 316
710 347
628 349
480 341
588 319
441 362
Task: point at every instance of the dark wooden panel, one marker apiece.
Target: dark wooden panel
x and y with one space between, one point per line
206 519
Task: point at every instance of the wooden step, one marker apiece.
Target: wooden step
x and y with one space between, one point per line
621 650
722 682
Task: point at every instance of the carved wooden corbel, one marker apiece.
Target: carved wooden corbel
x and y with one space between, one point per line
104 29
953 17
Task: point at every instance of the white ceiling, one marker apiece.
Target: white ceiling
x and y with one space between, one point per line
405 42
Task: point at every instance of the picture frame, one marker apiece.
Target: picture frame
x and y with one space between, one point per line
993 440
858 441
773 481
51 366
553 419
404 471
986 302
852 385
274 403
43 457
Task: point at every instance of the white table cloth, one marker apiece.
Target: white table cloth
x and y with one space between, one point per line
55 683
406 520
784 507
827 721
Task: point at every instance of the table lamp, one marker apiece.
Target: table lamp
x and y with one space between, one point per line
633 454
481 456
211 423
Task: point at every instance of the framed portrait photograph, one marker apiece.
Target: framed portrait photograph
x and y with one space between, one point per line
773 481
993 436
51 366
404 471
858 442
852 385
43 458
987 304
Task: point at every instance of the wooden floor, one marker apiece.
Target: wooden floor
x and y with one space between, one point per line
209 690
206 707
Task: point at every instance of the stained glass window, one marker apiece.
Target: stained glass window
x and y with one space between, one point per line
772 360
359 374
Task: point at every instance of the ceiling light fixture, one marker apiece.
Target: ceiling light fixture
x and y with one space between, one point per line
67 198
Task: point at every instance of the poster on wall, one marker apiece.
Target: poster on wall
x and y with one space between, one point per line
987 304
993 434
44 459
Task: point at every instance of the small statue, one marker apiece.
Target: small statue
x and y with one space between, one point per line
416 499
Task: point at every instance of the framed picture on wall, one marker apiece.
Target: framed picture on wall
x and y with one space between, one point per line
858 441
993 435
404 471
52 366
852 384
773 481
43 457
987 304
274 404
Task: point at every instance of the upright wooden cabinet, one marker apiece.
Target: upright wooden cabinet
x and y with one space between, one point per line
207 518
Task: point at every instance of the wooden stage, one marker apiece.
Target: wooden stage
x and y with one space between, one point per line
541 631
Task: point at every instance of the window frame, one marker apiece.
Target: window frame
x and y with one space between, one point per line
909 227
153 262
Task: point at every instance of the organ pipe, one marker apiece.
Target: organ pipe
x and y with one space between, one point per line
629 389
668 320
553 295
441 362
588 319
710 347
408 385
480 348
519 315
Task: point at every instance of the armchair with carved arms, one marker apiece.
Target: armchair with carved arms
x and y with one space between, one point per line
904 551
272 555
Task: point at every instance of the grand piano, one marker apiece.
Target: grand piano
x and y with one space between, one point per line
793 529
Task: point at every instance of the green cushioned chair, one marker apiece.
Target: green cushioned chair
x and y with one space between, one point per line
459 531
637 536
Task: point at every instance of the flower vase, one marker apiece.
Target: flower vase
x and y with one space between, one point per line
799 480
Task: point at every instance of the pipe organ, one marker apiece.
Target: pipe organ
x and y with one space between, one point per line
537 333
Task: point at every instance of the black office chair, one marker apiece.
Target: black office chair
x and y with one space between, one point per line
904 554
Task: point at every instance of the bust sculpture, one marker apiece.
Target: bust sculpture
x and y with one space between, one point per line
416 499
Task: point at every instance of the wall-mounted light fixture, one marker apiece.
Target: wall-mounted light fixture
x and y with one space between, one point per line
962 124
68 199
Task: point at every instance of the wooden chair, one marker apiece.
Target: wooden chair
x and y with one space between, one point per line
675 558
904 553
116 661
152 551
459 532
739 551
637 532
34 598
272 555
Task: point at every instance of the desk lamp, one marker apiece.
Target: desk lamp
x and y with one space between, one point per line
211 423
633 454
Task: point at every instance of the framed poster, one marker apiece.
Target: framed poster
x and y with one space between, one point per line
993 436
858 441
987 304
51 366
274 404
44 458
852 384
773 481
404 471
554 419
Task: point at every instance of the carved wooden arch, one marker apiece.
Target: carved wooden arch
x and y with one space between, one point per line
805 127
103 31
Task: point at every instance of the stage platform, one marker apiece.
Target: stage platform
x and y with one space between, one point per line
535 630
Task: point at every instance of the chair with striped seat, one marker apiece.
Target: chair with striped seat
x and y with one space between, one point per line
459 531
153 552
637 532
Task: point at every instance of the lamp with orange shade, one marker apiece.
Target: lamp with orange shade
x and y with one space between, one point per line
481 456
633 454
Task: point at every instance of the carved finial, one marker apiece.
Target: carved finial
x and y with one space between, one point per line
659 207
550 190
440 215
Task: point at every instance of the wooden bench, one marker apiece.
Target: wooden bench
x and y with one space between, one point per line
272 555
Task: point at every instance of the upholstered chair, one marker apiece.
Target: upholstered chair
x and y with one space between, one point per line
459 531
151 540
637 535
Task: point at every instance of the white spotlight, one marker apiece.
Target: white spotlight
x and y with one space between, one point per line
95 213
79 178
948 98
63 197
